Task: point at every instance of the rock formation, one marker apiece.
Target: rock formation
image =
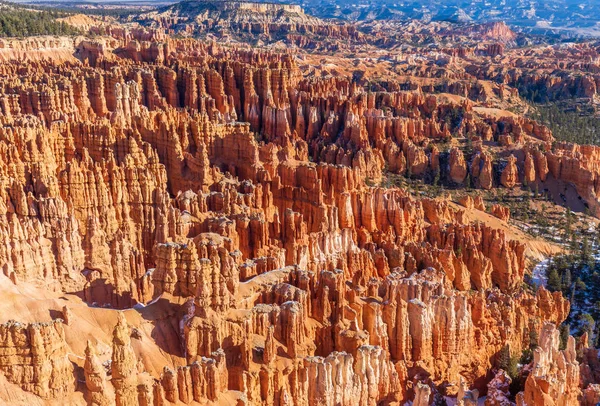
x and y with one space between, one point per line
502 212
263 220
34 357
509 177
554 377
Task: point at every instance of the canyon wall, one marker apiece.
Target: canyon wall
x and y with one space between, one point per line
253 200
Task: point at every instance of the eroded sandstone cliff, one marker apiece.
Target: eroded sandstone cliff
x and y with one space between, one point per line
245 204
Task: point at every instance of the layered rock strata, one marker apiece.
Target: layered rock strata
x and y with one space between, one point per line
250 201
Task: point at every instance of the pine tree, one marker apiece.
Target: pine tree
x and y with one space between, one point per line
586 252
504 358
588 324
568 224
566 280
533 339
564 330
439 400
582 291
436 178
513 368
573 243
553 284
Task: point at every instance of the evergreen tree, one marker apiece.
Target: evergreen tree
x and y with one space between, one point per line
580 287
567 125
586 251
587 323
573 243
504 358
513 368
436 178
533 339
565 331
439 400
554 284
568 224
19 22
566 280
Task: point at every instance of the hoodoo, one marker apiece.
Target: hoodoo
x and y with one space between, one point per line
240 203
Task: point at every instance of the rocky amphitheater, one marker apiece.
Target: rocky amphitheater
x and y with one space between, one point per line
193 221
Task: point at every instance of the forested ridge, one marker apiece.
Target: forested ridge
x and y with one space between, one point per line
569 124
16 21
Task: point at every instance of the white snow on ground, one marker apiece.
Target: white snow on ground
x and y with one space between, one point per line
539 276
451 401
140 305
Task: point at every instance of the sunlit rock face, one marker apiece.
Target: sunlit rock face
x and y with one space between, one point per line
186 222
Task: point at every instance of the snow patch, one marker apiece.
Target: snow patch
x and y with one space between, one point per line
539 276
